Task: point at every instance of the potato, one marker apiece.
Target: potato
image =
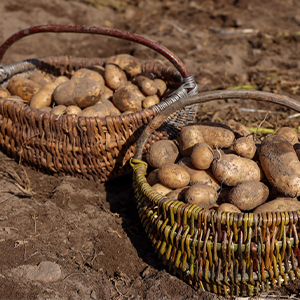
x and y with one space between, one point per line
248 194
238 129
278 205
231 169
100 110
44 96
161 189
73 110
82 92
280 164
289 133
4 93
131 65
112 109
202 156
23 87
128 97
152 177
178 194
146 85
161 86
173 176
202 195
61 79
46 109
40 78
162 152
99 69
86 73
297 149
59 110
114 76
108 93
189 136
150 101
16 99
245 146
227 207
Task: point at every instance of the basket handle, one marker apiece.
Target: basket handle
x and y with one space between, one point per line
206 97
97 30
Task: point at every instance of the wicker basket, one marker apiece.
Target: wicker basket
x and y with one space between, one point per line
93 148
225 253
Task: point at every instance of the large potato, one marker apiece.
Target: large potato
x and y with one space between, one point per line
162 152
44 96
173 176
248 194
289 133
86 73
82 92
131 65
202 195
128 97
231 169
280 164
202 156
114 76
278 205
23 87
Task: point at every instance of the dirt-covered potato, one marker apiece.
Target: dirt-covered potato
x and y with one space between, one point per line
231 169
202 195
100 110
278 205
23 87
162 152
114 76
44 96
161 189
202 156
146 85
87 73
59 110
41 78
4 93
113 111
245 146
129 64
150 101
238 128
73 110
17 99
248 194
152 177
280 164
173 176
61 79
227 207
178 194
108 93
289 133
82 92
161 86
46 109
128 97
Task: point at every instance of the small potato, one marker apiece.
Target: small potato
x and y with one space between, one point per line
161 189
73 110
112 109
114 76
178 194
4 93
17 99
40 78
131 65
189 136
61 79
86 73
100 110
23 87
238 128
82 92
231 169
248 194
152 178
245 146
289 133
146 85
128 97
162 152
173 176
108 93
202 156
161 86
278 205
227 207
44 96
99 69
202 195
59 110
150 101
46 109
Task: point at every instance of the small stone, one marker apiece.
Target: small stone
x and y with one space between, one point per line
47 272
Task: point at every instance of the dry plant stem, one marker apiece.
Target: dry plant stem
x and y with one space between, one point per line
210 96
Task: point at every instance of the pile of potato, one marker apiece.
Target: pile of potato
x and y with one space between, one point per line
118 88
227 168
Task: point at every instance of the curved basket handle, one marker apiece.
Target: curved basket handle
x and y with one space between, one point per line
97 30
206 97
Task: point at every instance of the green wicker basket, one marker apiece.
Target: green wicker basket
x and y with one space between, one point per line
224 253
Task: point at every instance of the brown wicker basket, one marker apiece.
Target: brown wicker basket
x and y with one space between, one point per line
93 148
225 253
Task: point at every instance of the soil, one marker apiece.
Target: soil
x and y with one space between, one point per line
92 230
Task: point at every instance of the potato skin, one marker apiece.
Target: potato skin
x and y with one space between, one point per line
152 177
161 189
44 96
150 101
248 195
280 164
178 194
146 85
86 73
289 133
278 205
238 129
202 195
245 146
131 65
161 86
114 76
173 176
73 110
5 93
162 152
202 156
231 169
189 136
228 207
58 110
